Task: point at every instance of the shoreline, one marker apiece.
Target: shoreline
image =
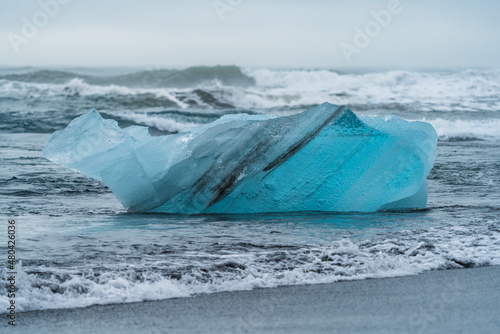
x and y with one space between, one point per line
454 300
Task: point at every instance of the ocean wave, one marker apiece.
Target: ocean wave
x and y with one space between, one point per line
159 122
113 96
462 105
469 90
467 130
173 120
244 267
229 87
150 78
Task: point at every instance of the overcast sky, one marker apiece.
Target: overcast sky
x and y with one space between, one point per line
256 33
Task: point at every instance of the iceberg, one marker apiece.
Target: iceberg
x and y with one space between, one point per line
323 159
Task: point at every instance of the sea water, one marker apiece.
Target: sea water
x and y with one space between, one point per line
77 246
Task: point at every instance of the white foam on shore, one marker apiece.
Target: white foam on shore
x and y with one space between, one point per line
404 253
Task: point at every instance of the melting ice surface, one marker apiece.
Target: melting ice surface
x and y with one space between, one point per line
323 159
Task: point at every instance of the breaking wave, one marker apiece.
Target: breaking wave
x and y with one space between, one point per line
244 266
462 105
150 78
231 87
467 130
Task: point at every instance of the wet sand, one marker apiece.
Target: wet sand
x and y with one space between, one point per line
446 301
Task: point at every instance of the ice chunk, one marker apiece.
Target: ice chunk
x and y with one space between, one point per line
324 159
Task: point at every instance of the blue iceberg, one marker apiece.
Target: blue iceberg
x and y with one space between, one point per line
324 159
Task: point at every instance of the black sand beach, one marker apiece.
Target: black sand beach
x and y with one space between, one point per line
447 301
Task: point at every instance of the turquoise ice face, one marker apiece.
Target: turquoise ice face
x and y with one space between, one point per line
324 159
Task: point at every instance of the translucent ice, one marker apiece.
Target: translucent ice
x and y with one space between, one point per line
324 159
